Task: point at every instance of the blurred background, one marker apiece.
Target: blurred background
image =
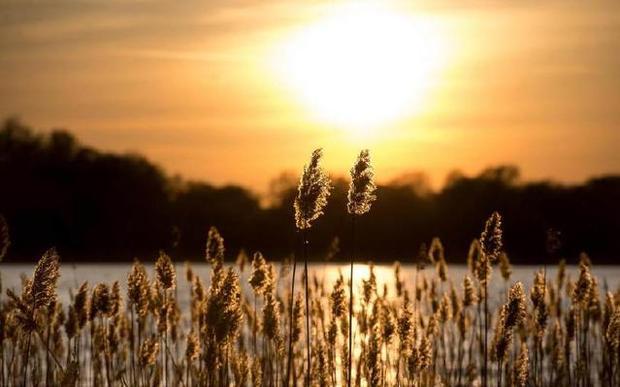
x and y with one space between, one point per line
102 206
175 116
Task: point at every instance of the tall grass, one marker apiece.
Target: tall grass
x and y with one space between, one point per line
360 198
423 330
312 195
108 337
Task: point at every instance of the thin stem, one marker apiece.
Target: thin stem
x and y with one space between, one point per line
189 365
290 330
165 368
50 352
47 355
106 349
25 367
255 328
309 348
486 313
132 374
499 373
351 301
140 373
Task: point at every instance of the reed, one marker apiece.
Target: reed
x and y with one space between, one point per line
312 193
490 247
421 331
360 198
398 344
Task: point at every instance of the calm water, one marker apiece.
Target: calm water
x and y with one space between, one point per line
73 275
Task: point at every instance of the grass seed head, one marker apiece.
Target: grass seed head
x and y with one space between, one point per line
502 338
214 252
338 298
312 192
149 351
45 279
259 277
138 288
612 335
166 274
516 309
362 188
81 305
469 292
583 287
491 237
101 301
116 302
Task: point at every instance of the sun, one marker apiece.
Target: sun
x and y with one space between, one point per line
363 65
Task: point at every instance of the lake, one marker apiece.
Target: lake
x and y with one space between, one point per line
74 274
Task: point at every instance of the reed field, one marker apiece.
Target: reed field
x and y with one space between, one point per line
254 323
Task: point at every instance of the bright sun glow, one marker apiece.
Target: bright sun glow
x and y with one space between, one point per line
363 65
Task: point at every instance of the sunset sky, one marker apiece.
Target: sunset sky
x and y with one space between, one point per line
239 91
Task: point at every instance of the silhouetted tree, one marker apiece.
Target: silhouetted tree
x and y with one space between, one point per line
94 205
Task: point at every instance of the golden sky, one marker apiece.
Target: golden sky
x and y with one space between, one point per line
238 91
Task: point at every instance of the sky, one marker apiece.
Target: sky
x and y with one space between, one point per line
240 91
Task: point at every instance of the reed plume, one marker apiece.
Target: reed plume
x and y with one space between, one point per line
138 289
583 287
473 257
138 302
214 252
312 194
192 348
490 247
223 309
469 294
258 281
44 280
538 296
491 237
260 275
502 339
166 278
516 311
116 302
362 188
101 301
512 314
166 274
360 197
423 338
612 339
338 298
271 319
149 351
81 305
38 294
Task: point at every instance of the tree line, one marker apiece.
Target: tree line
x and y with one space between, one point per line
99 206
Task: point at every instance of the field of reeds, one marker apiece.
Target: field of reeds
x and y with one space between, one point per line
293 329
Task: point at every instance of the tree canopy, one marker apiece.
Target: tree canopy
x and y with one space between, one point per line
94 205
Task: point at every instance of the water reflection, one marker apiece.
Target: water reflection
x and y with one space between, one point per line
327 273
